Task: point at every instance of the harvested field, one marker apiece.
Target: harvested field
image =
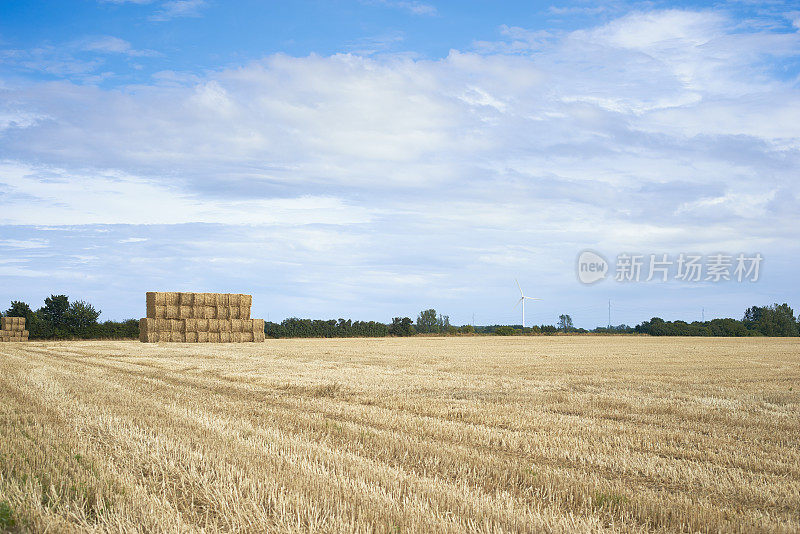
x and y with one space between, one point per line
564 434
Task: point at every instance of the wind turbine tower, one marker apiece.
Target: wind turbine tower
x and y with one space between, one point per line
522 299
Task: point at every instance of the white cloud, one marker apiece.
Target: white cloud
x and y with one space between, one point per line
575 10
51 196
24 244
58 61
662 30
112 45
607 111
658 131
412 6
178 9
367 46
79 59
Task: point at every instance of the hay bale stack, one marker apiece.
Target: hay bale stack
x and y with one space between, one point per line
12 329
199 318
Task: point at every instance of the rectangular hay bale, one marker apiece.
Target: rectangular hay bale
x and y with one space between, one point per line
146 336
13 323
186 299
202 337
170 325
150 304
191 337
213 337
225 337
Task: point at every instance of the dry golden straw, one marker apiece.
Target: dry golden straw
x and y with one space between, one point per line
191 314
476 434
12 329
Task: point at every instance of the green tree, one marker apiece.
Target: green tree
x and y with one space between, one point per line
775 320
753 315
565 323
443 323
401 327
778 320
80 318
427 322
19 309
52 316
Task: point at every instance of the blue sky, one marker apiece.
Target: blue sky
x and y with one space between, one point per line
372 158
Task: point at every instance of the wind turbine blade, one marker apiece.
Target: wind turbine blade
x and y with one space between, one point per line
532 298
520 287
517 304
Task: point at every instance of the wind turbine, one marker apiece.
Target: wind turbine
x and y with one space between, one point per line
522 299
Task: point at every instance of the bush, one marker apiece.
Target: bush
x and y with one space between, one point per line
294 327
505 331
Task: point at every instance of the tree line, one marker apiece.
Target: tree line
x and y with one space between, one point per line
294 327
60 318
777 320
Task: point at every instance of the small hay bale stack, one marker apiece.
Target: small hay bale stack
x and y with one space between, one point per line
199 318
12 329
